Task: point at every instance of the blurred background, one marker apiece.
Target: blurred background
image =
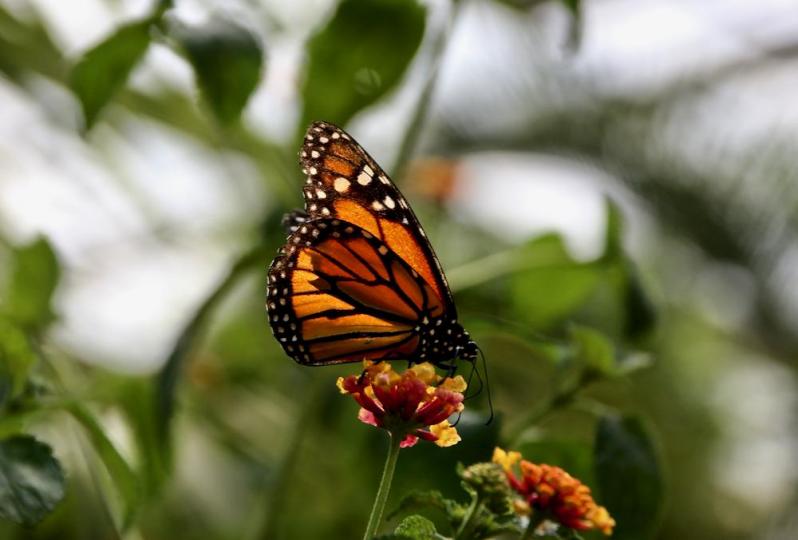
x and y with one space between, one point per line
623 170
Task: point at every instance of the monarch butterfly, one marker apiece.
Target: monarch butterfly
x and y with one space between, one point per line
357 278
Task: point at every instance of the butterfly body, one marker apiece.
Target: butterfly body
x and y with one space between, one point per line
357 278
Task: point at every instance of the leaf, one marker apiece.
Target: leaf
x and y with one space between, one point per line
628 477
33 278
593 350
16 359
417 528
31 480
123 477
431 500
103 70
227 60
359 56
552 285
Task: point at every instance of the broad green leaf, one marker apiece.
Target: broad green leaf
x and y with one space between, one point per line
227 60
628 475
123 477
104 69
16 359
593 350
359 56
573 456
551 285
416 527
33 278
31 480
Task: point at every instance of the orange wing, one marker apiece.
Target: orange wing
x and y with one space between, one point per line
344 182
339 294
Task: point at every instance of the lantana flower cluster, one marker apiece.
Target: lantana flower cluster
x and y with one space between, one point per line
413 405
551 490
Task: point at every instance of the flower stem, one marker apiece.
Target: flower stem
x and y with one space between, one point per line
471 513
385 487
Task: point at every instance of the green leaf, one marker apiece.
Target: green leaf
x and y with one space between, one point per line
33 278
417 528
31 480
123 477
431 500
227 60
359 56
593 350
552 285
104 69
16 360
629 478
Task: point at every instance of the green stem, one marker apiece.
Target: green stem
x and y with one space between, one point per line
385 487
408 144
471 514
534 522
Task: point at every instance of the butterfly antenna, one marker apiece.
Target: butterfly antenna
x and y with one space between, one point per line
487 385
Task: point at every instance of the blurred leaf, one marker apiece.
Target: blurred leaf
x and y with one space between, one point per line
629 477
553 285
104 69
31 480
593 350
34 276
123 477
16 359
430 500
574 456
417 528
227 60
359 56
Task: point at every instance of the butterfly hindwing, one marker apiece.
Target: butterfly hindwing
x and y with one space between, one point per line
344 182
338 294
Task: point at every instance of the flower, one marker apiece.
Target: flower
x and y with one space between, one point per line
553 491
412 405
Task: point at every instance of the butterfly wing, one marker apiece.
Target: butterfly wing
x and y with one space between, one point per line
344 182
337 294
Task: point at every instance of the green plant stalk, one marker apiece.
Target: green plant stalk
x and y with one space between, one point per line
471 514
385 487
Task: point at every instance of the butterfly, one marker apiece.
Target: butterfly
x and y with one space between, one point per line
357 278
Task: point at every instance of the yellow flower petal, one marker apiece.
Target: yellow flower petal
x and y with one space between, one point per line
456 384
340 384
447 435
425 372
505 459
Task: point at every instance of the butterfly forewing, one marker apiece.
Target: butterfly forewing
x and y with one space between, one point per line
343 181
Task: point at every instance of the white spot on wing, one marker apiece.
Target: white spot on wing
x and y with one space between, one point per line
389 202
377 205
341 184
363 179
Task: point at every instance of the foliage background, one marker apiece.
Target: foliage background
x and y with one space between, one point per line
142 183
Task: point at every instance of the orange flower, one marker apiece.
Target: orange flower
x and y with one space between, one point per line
413 405
553 491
